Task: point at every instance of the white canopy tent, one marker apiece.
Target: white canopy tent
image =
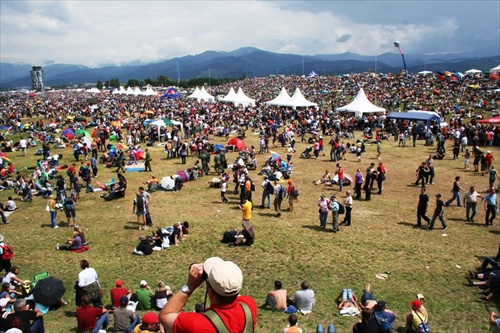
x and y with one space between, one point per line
361 105
120 91
425 73
495 69
241 98
473 71
229 97
149 91
93 90
282 98
298 100
203 95
195 93
157 124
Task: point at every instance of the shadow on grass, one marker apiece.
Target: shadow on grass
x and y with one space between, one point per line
414 226
130 225
496 232
270 214
316 228
476 224
456 219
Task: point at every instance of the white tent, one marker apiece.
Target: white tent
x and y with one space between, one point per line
149 92
195 93
129 91
473 71
229 97
241 98
282 98
425 73
495 69
158 124
93 90
360 105
203 95
120 91
298 100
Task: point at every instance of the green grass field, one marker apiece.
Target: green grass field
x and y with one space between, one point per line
291 248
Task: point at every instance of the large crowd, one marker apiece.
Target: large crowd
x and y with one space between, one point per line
40 118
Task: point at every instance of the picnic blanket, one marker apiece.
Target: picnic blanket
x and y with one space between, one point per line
82 249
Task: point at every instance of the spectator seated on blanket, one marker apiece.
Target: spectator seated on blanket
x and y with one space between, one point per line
326 178
74 243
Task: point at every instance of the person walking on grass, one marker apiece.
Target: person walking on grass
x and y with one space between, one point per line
147 161
438 213
423 201
490 206
456 193
470 203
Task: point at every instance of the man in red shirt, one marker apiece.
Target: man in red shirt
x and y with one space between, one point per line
224 281
340 174
118 292
89 318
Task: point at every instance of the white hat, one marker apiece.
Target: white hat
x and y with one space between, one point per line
224 277
143 283
14 330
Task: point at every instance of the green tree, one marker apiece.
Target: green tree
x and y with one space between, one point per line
99 85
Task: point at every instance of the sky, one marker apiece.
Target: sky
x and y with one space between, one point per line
96 33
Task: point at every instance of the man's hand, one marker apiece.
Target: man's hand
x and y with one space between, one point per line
195 277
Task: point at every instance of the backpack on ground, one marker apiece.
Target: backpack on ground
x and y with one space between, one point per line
7 252
341 208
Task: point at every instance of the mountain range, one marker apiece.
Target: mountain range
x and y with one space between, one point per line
243 62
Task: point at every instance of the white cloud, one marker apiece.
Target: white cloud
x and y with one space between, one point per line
98 32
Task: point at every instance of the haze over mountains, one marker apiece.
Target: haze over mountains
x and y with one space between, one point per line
244 62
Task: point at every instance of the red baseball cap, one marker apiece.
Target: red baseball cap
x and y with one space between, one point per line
416 303
119 283
150 318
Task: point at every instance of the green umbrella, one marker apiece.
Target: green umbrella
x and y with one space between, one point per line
168 122
80 131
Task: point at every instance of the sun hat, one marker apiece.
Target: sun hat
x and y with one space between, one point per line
150 318
416 303
224 277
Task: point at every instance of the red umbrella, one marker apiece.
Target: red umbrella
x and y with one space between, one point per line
494 120
238 143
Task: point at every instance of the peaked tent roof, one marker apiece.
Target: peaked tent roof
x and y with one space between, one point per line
229 97
205 96
298 100
241 98
282 97
495 69
195 93
360 104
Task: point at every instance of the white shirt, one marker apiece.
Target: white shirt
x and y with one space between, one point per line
348 201
87 276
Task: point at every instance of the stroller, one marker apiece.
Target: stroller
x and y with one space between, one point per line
306 153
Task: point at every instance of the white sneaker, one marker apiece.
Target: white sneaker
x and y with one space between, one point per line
146 228
140 228
101 331
56 227
57 246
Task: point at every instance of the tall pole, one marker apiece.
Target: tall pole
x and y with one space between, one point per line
396 44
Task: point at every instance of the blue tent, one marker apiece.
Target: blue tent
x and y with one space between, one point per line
424 116
171 93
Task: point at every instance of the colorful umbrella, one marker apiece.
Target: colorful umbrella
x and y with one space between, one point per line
238 143
120 146
80 131
218 147
275 155
68 133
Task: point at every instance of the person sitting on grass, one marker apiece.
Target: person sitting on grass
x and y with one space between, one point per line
366 324
326 178
74 243
292 325
90 318
117 190
145 247
125 319
416 316
152 181
276 299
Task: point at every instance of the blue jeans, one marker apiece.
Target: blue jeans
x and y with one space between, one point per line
468 207
322 218
133 324
347 294
434 217
37 326
266 195
103 321
331 329
456 195
368 296
53 218
491 213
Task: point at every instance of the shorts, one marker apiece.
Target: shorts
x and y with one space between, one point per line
140 213
70 213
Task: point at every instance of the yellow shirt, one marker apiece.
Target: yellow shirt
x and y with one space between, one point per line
247 210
